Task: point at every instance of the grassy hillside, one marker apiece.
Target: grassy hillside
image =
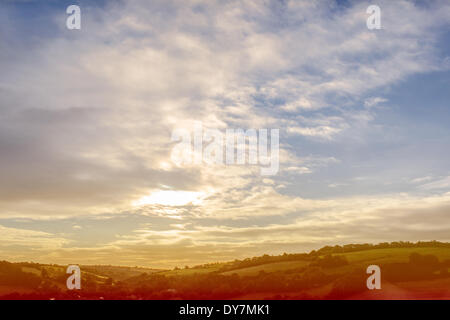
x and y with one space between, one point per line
269 267
358 258
375 256
118 273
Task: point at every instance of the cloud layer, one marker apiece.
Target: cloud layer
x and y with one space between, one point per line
86 120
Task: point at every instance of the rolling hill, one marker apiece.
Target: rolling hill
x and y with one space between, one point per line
408 271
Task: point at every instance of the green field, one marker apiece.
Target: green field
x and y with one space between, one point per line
269 267
361 258
193 270
393 254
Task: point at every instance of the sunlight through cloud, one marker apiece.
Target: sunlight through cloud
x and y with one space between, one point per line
171 198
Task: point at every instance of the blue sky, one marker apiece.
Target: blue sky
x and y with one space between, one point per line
86 118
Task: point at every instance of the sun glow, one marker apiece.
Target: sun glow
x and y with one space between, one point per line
171 198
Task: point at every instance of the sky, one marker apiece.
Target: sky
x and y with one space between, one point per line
86 118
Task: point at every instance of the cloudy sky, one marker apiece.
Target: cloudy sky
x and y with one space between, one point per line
86 118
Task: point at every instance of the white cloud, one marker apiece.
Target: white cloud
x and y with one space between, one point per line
321 131
30 238
374 101
443 183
